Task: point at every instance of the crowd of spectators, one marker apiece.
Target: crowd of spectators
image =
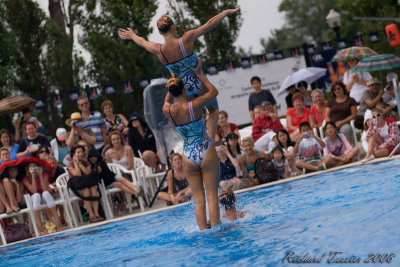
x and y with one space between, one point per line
283 148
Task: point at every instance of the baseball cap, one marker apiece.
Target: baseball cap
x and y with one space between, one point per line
61 134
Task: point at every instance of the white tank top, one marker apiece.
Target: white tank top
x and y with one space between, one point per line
123 161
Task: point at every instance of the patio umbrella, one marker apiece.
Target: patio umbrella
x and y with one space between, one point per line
309 75
14 104
358 52
21 163
378 62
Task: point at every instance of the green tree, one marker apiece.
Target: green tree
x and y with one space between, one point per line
114 59
217 44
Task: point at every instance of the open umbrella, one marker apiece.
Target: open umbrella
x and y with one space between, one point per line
378 62
16 103
309 75
21 163
358 52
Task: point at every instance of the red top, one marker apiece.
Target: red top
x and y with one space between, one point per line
221 133
38 185
296 120
263 124
314 111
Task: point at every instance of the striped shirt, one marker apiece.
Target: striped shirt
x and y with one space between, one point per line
95 122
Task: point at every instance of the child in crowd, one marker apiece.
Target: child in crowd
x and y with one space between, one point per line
280 162
309 148
337 146
227 199
37 184
257 111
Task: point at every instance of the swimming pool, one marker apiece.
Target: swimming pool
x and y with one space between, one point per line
355 211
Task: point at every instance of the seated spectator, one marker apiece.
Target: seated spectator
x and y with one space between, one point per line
283 140
83 183
43 153
232 141
257 111
4 155
302 89
387 98
59 146
291 91
341 110
296 115
391 105
249 157
265 127
280 162
228 168
119 153
111 180
224 127
57 170
259 96
308 148
77 133
37 184
7 142
11 190
337 147
372 97
30 144
382 136
27 117
114 122
227 199
178 190
367 124
318 109
142 140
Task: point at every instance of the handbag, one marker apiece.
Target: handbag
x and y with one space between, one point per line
76 183
15 232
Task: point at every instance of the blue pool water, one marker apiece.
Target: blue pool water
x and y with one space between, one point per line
355 211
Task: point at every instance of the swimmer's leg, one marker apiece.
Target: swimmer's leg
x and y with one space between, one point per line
210 169
193 175
212 116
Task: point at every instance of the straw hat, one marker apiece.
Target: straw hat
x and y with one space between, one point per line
76 116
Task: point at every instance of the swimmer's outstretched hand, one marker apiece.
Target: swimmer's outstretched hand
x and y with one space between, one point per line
233 10
197 69
126 34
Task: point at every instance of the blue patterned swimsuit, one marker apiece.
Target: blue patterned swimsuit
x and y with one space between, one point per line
196 141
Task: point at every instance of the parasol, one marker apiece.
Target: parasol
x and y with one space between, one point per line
309 75
358 52
14 104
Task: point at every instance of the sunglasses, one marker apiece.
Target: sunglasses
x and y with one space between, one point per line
84 104
376 116
44 151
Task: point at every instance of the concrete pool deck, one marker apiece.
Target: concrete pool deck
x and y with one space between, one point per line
160 205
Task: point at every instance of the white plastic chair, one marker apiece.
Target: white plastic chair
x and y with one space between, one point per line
118 169
71 199
31 216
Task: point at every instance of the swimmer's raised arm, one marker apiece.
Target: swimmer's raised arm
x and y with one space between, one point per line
212 91
209 25
140 41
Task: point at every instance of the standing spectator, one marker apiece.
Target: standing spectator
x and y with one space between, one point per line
382 136
7 142
291 91
142 140
356 84
258 96
341 110
93 121
296 115
224 127
30 144
372 97
178 189
317 110
114 122
59 146
337 147
27 117
77 133
265 127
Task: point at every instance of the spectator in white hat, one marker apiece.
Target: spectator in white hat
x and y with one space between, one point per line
371 98
59 146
